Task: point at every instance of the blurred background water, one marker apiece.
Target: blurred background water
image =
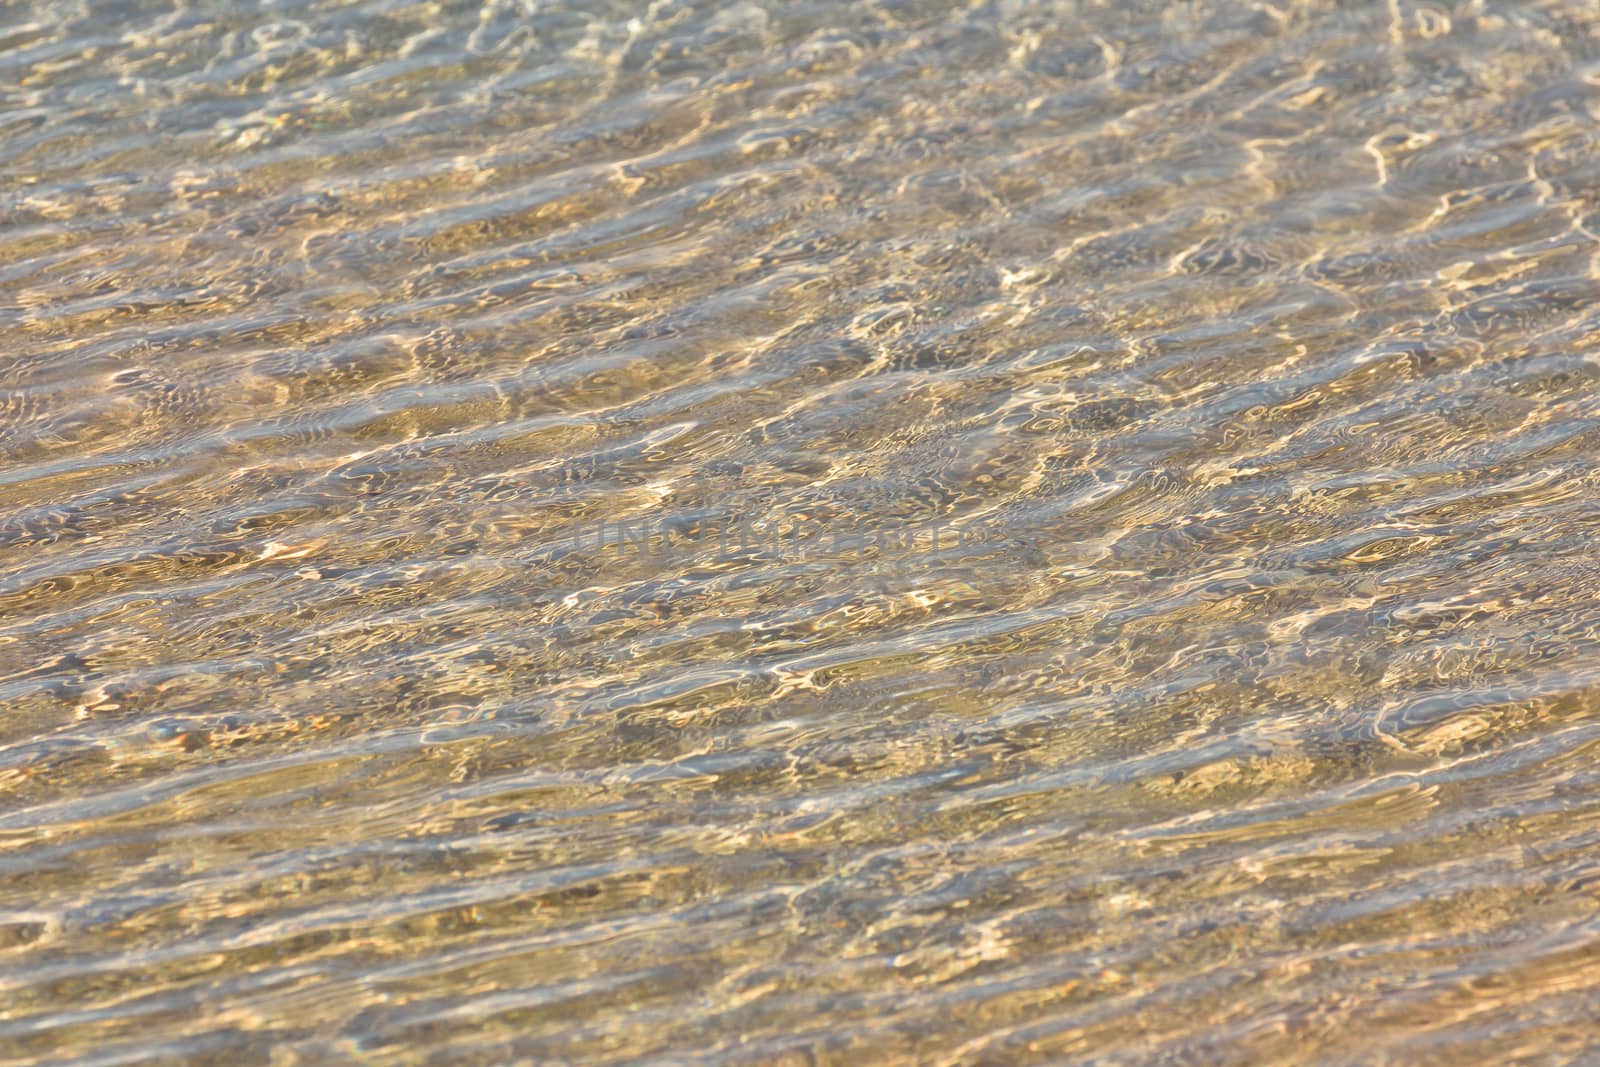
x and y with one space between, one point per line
1251 348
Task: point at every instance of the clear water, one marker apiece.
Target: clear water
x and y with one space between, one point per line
817 532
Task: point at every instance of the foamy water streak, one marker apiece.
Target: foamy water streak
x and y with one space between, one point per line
1248 353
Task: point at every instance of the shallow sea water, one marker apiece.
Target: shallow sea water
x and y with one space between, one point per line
806 533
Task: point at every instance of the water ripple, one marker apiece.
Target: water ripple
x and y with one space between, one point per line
909 531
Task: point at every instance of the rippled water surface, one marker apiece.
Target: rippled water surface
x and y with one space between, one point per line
808 532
